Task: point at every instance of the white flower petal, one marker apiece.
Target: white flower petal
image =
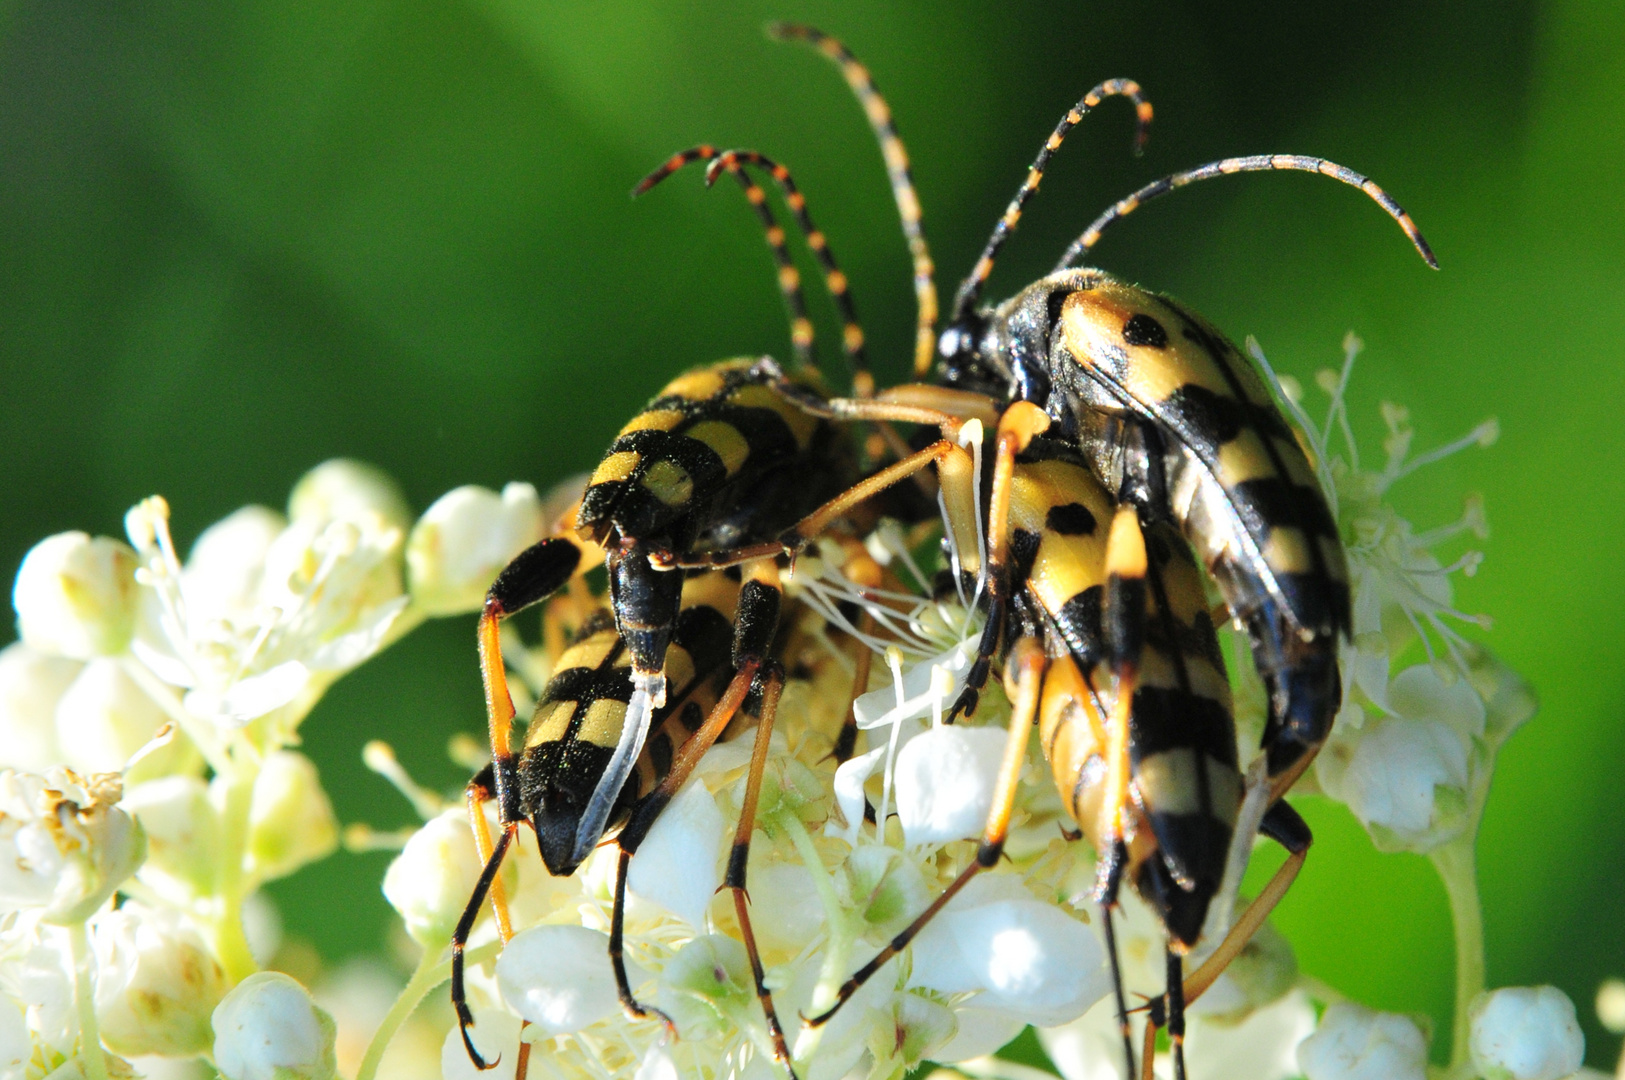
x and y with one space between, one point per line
924 689
1355 1043
1418 693
1030 958
222 575
348 650
1526 1033
559 977
1090 1047
676 865
981 1031
850 777
251 698
945 780
787 891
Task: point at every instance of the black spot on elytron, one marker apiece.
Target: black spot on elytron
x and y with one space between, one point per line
1070 519
1142 329
1205 420
692 716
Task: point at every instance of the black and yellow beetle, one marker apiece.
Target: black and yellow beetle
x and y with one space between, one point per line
1187 437
737 465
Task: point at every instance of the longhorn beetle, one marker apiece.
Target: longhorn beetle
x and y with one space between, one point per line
1171 419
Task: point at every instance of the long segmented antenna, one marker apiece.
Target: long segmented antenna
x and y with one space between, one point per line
897 171
971 290
1253 163
733 162
801 327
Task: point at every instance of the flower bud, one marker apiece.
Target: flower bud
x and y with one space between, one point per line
559 977
104 718
676 865
1355 1043
267 1028
1526 1033
64 846
1611 1005
157 983
461 542
945 780
182 832
76 596
430 881
31 684
344 490
291 820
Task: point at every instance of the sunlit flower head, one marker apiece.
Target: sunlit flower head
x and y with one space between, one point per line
266 613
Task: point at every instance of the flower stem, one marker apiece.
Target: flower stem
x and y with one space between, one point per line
840 935
1457 868
230 940
84 996
427 976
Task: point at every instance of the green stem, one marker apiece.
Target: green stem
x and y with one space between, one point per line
840 936
1457 868
84 996
427 976
230 940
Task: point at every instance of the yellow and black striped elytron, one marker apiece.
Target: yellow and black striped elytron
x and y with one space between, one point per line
1171 419
717 666
1112 651
1175 420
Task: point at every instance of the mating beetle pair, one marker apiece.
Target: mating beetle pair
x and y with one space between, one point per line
1130 441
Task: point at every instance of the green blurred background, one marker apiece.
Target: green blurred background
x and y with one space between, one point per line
237 239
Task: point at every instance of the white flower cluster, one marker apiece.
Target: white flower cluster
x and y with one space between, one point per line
147 785
1411 752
